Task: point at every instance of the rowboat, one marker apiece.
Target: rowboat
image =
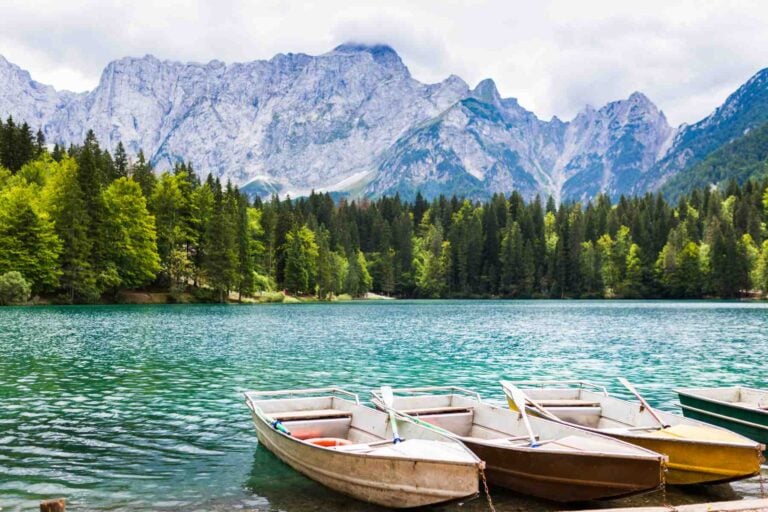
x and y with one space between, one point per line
327 435
564 463
740 409
698 453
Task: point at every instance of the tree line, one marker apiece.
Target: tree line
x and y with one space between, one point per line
82 225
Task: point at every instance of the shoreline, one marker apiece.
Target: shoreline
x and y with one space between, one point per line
166 298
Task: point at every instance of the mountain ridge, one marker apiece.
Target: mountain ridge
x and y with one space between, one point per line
355 120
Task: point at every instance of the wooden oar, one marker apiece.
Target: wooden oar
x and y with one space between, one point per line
632 390
389 399
507 386
519 398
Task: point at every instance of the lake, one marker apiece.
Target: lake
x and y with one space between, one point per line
140 407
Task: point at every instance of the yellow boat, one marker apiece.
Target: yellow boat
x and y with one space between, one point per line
698 453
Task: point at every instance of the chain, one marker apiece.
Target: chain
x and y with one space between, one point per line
664 502
762 484
485 488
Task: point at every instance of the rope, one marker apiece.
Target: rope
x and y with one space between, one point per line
487 492
664 503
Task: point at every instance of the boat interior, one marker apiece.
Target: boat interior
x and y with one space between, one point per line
739 396
476 421
344 424
589 405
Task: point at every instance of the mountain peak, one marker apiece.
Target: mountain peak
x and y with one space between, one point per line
486 91
353 47
382 54
639 97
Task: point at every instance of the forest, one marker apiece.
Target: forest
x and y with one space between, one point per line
82 225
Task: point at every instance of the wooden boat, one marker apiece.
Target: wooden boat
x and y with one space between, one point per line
740 409
566 464
698 453
349 448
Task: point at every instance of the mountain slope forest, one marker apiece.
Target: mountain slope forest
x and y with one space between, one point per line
82 225
741 159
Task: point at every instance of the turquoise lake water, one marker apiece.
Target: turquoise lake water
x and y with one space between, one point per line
140 407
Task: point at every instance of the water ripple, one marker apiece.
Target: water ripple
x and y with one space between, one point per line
130 408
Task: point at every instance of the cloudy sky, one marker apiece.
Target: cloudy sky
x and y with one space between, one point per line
554 56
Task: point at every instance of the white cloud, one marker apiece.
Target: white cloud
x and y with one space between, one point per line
554 56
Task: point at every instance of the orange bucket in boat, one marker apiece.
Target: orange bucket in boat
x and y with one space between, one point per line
328 442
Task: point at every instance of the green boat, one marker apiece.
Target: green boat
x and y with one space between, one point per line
740 409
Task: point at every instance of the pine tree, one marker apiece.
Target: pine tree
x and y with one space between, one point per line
64 201
245 242
40 147
131 234
632 286
221 252
142 173
512 265
466 237
121 162
358 280
28 242
301 255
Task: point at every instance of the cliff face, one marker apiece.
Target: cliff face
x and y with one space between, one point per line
354 120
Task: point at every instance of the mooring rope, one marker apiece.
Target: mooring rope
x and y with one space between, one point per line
487 492
664 502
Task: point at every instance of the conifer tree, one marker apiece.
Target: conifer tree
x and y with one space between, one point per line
132 247
28 241
301 255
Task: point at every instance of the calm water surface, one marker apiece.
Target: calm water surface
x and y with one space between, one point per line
133 407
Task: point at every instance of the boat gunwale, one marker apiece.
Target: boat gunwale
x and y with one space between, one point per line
690 392
261 415
739 421
746 443
489 443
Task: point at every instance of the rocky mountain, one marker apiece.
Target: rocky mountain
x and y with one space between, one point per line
742 159
744 110
354 120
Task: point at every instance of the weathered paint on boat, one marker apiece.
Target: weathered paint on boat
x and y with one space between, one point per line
723 407
567 465
698 454
391 481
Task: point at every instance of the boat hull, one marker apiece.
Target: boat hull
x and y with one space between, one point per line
390 482
747 422
692 462
565 477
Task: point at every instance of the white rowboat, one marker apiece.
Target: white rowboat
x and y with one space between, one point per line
349 448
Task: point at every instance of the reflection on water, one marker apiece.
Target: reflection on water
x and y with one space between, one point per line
140 407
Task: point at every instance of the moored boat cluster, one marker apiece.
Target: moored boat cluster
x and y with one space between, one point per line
564 441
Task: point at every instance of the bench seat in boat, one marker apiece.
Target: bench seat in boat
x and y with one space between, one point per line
321 414
567 403
436 410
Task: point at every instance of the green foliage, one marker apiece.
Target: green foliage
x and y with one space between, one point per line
742 159
80 223
301 255
358 281
28 241
761 269
17 145
64 200
130 231
431 260
14 289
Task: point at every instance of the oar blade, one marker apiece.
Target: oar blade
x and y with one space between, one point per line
518 397
387 396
